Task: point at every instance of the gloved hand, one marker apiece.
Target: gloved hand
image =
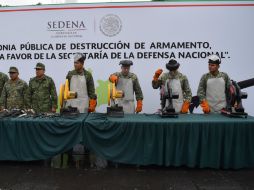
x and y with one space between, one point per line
205 106
92 105
157 74
139 106
53 110
113 78
185 107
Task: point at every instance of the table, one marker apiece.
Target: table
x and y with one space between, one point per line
193 140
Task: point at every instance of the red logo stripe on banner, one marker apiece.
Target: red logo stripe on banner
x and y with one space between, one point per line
126 7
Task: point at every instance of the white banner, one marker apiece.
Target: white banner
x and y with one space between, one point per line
148 33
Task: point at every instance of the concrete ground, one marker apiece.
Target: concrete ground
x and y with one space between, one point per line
35 176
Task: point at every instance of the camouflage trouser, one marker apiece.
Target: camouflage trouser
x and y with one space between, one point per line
60 161
78 155
81 154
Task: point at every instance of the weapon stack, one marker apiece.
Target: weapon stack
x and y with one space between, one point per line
19 113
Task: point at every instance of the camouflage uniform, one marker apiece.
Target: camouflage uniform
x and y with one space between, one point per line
43 96
89 81
136 85
3 79
15 95
187 95
203 81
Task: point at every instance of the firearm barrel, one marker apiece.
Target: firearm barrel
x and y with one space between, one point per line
246 83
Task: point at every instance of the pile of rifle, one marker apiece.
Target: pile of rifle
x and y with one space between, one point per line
19 113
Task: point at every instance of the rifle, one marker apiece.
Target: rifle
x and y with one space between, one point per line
11 113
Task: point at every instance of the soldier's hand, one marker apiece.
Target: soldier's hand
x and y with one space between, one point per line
2 108
139 106
53 110
205 106
185 107
92 105
113 78
157 74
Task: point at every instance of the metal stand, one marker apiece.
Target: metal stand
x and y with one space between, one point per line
115 111
170 113
234 113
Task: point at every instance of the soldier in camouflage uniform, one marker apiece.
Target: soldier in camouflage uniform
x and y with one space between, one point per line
42 91
3 79
179 84
15 92
81 81
213 87
129 84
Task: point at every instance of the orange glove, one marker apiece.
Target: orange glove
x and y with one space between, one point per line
113 78
157 74
205 106
92 105
139 106
185 107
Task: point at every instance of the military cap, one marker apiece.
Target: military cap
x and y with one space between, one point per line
13 70
172 64
126 63
79 57
214 59
40 66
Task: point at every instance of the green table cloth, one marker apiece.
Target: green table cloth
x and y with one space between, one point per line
193 140
38 138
